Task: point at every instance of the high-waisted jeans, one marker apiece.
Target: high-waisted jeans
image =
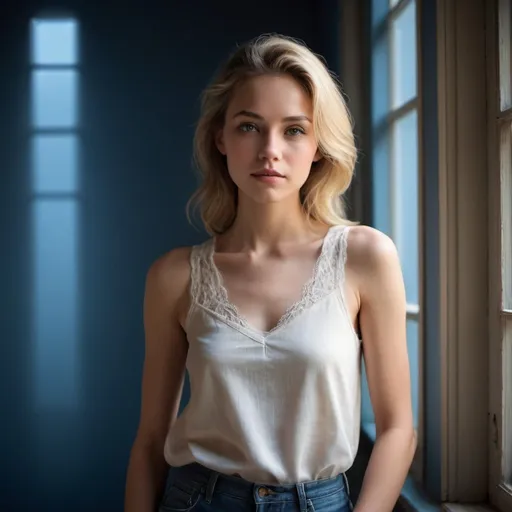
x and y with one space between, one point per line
199 489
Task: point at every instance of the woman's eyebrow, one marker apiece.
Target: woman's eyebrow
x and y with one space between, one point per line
248 113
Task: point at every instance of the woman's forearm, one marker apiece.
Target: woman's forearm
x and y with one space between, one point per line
387 470
145 480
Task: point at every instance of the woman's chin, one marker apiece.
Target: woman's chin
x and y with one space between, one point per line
268 196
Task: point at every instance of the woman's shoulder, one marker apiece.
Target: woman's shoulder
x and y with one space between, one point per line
369 249
172 269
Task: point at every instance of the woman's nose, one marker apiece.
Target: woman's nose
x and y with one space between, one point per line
270 148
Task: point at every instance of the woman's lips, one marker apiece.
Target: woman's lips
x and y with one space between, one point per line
268 172
268 178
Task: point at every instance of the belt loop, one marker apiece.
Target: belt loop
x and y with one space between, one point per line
210 488
302 498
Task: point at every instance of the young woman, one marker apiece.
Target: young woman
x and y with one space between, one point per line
271 314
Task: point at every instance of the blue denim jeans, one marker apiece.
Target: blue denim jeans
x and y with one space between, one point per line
198 489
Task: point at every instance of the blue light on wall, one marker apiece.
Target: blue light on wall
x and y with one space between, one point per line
54 42
55 212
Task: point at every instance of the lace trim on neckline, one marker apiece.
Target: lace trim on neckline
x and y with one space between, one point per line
208 289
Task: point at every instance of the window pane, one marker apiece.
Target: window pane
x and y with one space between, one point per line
54 42
366 404
54 95
414 361
403 56
381 204
405 201
505 43
55 163
507 418
55 303
506 213
381 193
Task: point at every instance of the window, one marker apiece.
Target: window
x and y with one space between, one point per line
395 160
54 186
501 266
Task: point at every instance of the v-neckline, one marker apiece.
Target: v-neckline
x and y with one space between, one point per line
223 295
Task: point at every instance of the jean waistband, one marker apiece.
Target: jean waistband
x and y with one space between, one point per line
212 481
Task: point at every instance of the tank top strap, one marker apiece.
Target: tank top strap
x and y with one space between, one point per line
331 266
340 255
200 273
206 288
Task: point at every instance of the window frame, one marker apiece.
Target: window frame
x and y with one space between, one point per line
414 311
458 202
393 115
357 48
499 222
463 241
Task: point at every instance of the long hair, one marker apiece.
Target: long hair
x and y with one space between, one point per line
321 194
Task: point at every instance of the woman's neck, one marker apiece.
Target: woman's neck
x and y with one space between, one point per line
265 227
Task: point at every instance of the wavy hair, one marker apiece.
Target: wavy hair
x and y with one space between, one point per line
321 194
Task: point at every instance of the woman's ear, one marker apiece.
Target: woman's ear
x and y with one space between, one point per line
219 142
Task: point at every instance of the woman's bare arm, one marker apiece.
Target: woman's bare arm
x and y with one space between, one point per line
374 260
163 376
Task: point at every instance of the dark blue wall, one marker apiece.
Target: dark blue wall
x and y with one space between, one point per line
142 66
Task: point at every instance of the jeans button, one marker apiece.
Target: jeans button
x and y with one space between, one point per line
262 492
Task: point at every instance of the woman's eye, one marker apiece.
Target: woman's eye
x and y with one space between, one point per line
295 131
247 127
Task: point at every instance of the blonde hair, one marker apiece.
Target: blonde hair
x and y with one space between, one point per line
331 176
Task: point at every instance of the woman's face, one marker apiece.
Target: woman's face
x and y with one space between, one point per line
268 138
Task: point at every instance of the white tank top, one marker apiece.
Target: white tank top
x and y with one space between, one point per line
274 407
